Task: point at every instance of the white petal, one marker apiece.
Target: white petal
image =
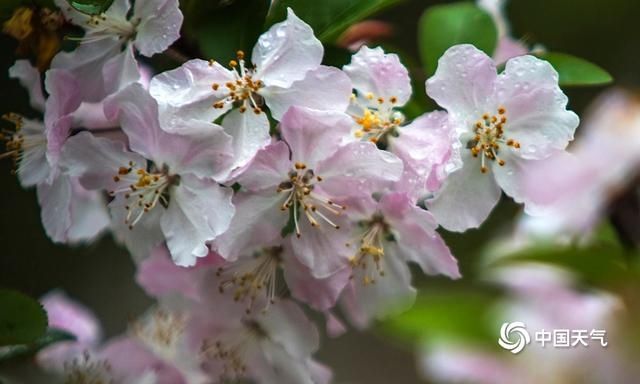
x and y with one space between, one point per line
55 200
187 92
89 215
464 82
250 133
466 198
198 212
159 26
287 325
95 160
536 107
29 77
324 88
358 168
390 294
255 214
286 52
34 167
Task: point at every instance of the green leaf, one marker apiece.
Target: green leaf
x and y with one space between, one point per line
90 7
228 29
328 18
444 26
449 314
602 264
575 71
52 336
22 319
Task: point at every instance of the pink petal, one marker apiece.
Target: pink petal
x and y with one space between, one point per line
159 276
383 75
313 135
267 169
415 233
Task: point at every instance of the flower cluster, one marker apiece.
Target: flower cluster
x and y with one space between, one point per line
244 190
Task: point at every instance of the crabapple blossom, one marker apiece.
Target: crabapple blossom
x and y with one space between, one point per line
578 184
504 123
381 86
507 47
272 345
285 71
389 234
65 314
69 212
153 352
268 347
105 59
544 298
302 181
166 189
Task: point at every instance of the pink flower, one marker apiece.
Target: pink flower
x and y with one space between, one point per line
381 87
507 46
389 234
69 212
543 298
105 60
578 185
302 181
68 315
286 71
504 123
165 190
268 347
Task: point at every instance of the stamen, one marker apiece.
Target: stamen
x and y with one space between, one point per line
21 143
300 195
243 93
230 349
378 118
371 251
488 138
253 278
147 187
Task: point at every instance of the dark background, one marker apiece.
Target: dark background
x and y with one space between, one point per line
101 275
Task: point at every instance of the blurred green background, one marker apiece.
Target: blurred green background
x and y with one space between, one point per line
101 275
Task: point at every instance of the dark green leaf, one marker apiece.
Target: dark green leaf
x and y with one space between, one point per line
90 7
575 71
290 227
328 18
444 26
231 28
22 319
52 336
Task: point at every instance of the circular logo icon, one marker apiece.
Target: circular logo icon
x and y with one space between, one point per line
514 337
